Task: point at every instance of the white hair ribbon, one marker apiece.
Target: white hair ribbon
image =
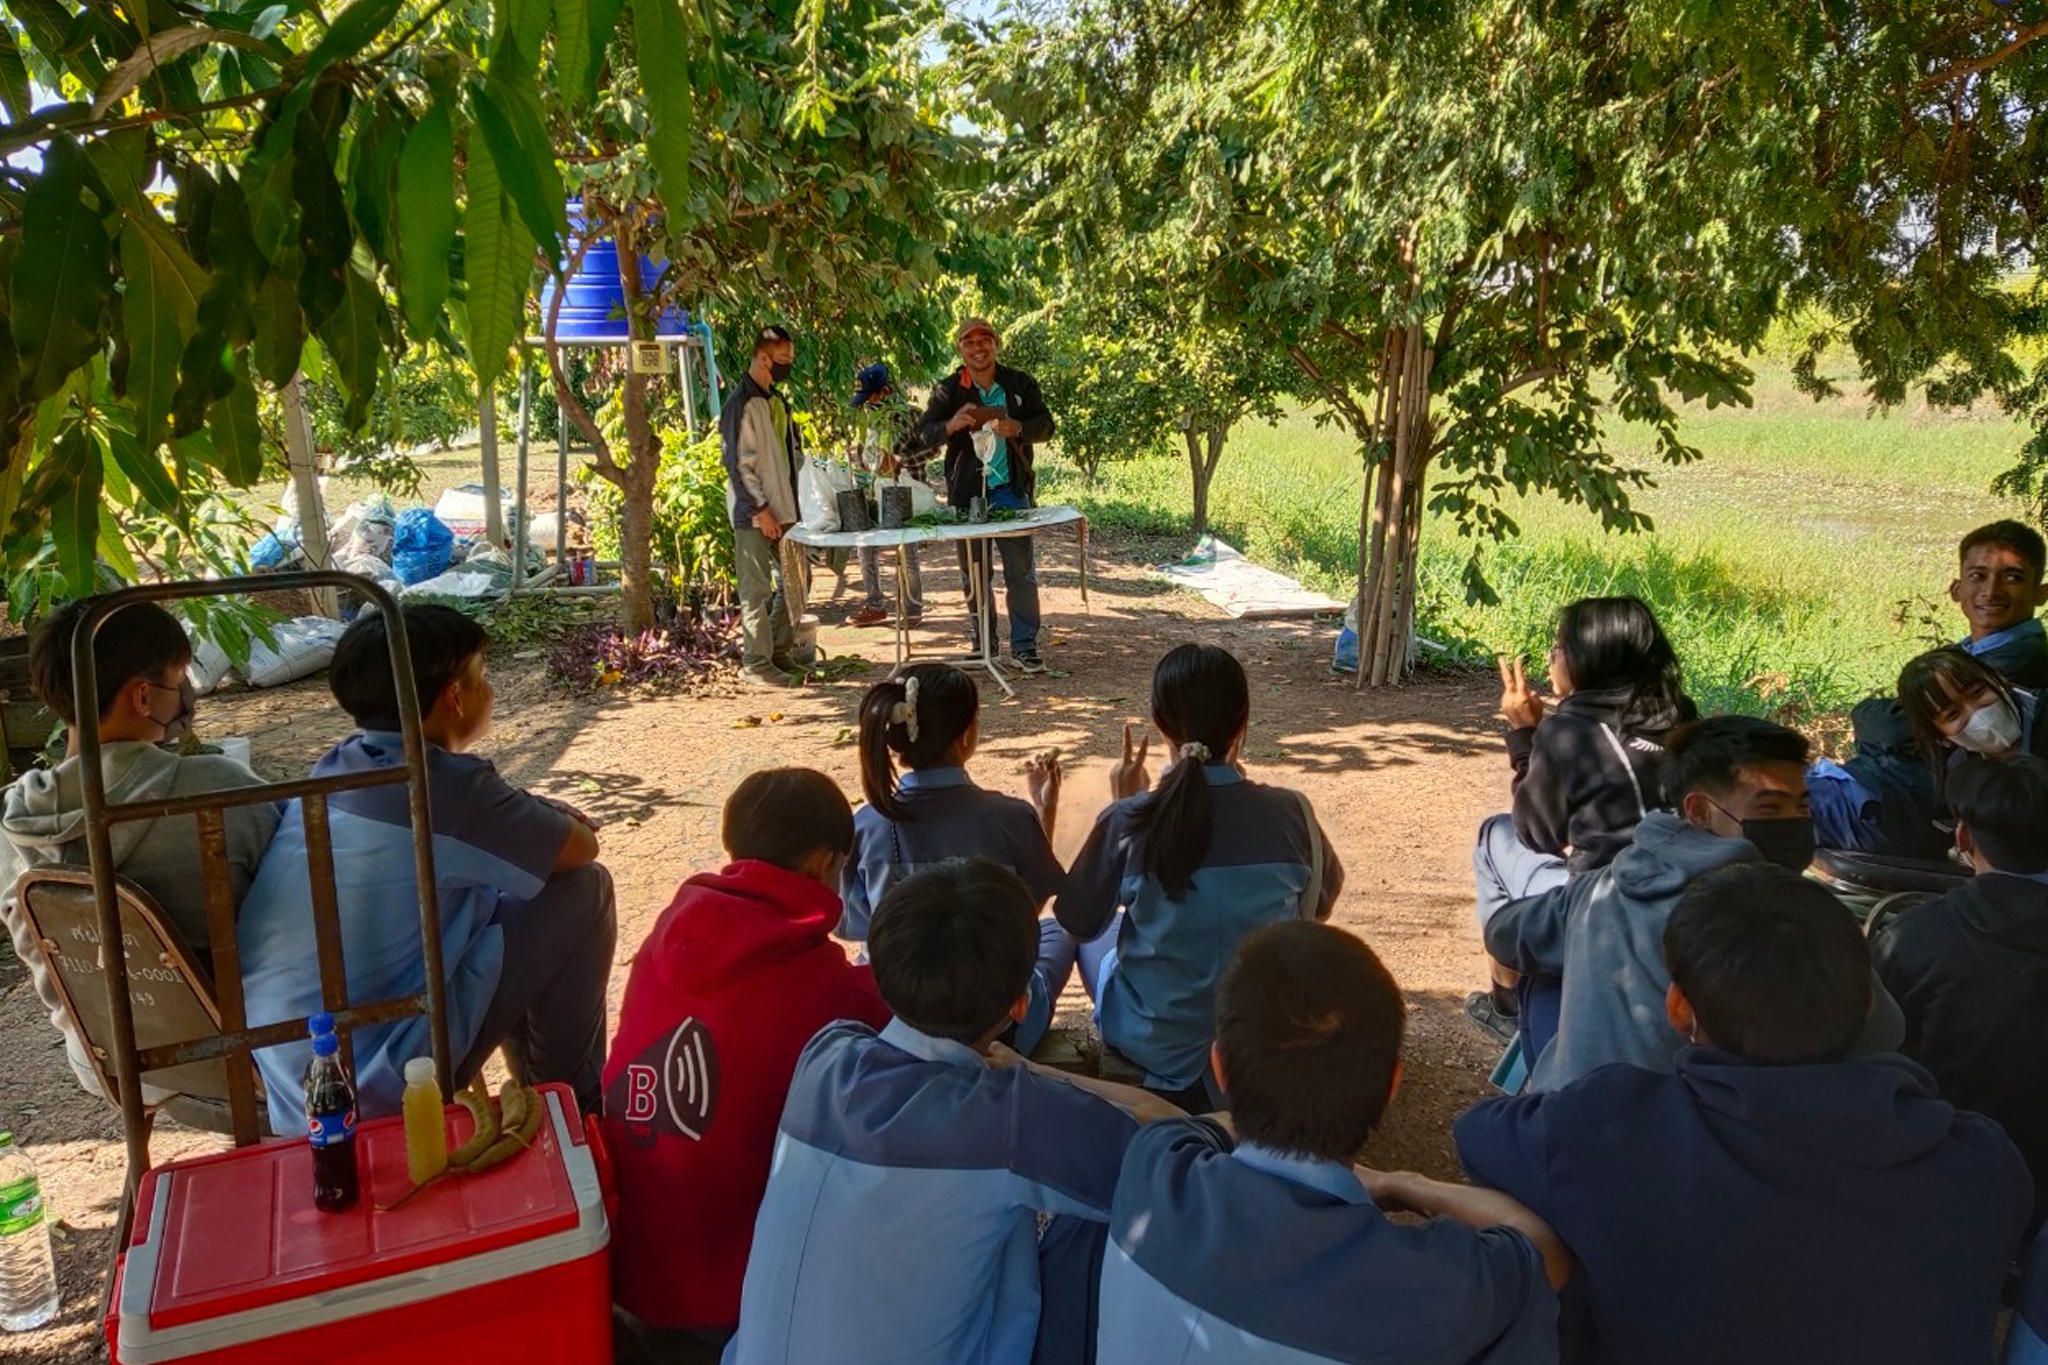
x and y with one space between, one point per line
904 713
1196 750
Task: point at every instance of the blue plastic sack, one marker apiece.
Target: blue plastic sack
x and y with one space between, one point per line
267 553
1345 658
420 545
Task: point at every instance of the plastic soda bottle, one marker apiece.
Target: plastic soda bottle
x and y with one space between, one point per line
426 1125
28 1274
330 1121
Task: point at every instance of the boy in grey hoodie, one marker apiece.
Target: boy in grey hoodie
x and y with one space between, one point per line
139 656
1736 786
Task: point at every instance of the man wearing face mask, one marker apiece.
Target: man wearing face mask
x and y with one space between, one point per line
1736 791
144 701
762 449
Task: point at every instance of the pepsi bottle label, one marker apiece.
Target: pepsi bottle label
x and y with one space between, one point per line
331 1130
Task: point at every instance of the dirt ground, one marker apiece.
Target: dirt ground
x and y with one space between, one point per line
1400 778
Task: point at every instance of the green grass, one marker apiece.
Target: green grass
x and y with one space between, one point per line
1795 567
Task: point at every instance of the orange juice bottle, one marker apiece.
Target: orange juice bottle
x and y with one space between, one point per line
426 1126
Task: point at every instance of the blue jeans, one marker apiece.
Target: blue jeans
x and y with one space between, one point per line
1506 869
1020 580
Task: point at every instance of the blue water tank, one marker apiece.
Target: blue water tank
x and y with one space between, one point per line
594 308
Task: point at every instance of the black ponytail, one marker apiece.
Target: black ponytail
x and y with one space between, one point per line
1199 696
1618 642
947 703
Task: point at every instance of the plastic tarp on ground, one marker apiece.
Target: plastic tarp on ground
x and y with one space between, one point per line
1222 575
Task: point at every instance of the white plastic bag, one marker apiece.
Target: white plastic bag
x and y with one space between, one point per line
818 485
209 665
304 646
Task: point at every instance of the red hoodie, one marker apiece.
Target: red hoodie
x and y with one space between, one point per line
738 974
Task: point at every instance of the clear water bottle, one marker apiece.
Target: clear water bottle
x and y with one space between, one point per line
28 1273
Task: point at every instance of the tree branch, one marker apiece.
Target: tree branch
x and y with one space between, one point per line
1984 63
14 136
1528 377
402 39
565 397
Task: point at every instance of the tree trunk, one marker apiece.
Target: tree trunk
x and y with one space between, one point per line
636 523
643 455
1387 599
1205 452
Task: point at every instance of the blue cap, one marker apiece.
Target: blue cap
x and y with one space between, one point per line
325 1045
870 383
320 1023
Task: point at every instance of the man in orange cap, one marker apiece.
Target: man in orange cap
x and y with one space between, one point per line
1006 401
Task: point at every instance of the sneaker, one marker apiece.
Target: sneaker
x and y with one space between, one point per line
788 664
1482 1009
869 616
768 675
1027 661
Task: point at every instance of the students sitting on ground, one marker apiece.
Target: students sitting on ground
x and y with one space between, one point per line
1171 880
1888 799
527 922
1999 586
143 701
900 1223
1737 786
930 718
1970 969
1585 773
1773 1201
1259 1241
734 979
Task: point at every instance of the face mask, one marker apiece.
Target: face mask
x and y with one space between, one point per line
1786 841
179 723
1991 730
779 370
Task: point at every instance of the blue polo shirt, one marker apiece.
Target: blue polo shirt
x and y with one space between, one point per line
1728 1212
950 818
1158 1004
900 1226
1259 1257
492 843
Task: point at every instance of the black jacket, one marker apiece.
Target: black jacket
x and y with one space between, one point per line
963 472
1584 777
1970 973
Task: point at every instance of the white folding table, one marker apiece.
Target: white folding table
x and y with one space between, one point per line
1025 523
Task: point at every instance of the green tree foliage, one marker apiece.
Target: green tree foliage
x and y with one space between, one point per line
1480 233
811 186
215 191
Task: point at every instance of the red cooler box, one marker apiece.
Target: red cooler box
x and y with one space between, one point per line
231 1264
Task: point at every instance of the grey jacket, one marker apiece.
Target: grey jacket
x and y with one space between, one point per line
43 816
1603 935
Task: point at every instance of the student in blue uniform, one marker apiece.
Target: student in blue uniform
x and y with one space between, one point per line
901 1221
1773 1200
1270 1246
1171 881
528 922
929 718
